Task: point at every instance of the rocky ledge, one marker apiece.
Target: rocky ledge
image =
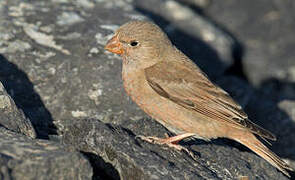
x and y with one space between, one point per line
64 113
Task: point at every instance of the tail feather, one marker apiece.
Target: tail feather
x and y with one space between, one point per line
255 145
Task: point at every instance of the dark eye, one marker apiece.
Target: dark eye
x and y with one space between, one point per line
133 43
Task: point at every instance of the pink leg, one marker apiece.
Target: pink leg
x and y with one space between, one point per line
176 139
170 141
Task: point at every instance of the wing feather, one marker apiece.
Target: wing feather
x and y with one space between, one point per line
184 85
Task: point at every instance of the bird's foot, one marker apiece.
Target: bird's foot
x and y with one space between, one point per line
161 141
170 142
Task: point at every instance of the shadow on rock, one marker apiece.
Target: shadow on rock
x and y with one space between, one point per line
237 48
273 106
21 90
278 90
107 172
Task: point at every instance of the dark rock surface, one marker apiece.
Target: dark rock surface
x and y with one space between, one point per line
53 63
59 78
131 157
266 30
13 118
24 158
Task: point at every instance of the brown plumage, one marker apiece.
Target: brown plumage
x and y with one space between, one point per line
169 87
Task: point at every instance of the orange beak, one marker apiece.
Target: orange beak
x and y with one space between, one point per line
114 46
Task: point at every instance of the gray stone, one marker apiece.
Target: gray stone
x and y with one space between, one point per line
62 72
266 30
54 67
126 156
13 118
264 110
198 3
24 158
289 107
68 18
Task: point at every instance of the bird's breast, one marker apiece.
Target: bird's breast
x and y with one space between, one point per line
156 106
136 86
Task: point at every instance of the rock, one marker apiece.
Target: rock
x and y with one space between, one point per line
53 66
289 107
198 3
21 90
59 69
264 111
125 156
13 118
24 158
278 89
266 30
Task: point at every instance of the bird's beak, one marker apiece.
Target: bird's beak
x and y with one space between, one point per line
114 46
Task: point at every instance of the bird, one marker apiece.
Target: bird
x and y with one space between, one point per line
173 90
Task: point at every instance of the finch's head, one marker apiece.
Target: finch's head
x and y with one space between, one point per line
139 41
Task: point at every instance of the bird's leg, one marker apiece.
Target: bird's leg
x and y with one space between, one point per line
169 141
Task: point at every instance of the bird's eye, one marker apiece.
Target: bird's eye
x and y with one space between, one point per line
133 43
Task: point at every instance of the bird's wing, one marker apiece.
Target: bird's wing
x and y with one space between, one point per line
184 84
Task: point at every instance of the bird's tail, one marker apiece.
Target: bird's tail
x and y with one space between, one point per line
255 145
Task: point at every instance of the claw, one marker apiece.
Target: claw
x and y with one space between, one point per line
170 142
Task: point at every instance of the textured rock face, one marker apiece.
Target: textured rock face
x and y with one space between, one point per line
60 84
265 30
24 158
132 157
54 64
12 117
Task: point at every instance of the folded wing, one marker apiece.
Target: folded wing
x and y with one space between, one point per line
180 82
